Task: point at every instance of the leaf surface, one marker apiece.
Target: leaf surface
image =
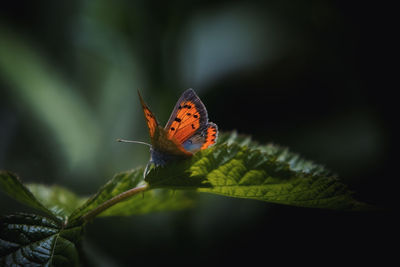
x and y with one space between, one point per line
239 167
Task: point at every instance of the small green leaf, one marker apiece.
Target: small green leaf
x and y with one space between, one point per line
12 186
33 240
238 167
149 201
57 199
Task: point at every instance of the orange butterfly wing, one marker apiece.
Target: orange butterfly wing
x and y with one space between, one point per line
151 120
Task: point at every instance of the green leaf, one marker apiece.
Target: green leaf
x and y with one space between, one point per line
238 167
57 199
149 201
12 186
33 240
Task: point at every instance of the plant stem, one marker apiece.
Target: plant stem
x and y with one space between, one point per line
111 202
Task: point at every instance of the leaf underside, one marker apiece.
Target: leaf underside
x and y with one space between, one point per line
33 240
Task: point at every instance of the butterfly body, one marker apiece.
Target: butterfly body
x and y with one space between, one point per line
164 150
186 132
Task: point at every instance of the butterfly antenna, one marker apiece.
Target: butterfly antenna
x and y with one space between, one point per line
135 142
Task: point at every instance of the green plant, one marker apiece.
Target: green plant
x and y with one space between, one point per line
235 167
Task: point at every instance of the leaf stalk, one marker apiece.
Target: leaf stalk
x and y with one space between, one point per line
111 202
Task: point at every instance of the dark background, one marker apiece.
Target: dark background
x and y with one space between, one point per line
315 76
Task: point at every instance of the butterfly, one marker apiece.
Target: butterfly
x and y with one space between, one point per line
186 132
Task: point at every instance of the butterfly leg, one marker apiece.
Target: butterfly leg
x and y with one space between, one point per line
147 169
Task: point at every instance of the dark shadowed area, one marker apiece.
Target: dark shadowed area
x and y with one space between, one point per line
314 76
